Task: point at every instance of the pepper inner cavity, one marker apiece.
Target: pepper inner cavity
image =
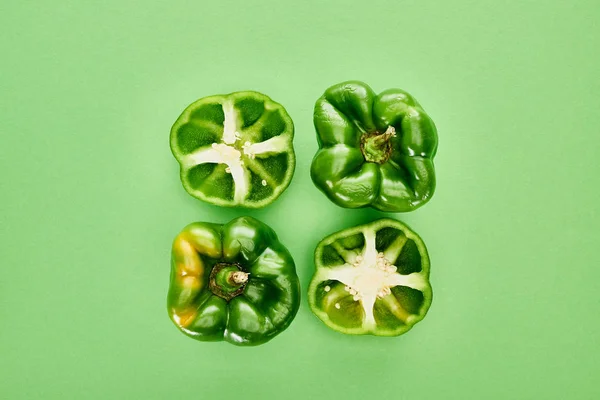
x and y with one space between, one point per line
370 278
376 147
366 279
369 275
237 152
230 150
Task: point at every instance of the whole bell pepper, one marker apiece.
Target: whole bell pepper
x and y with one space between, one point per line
234 282
375 150
371 279
235 150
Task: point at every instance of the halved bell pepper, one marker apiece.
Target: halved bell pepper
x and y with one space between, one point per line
234 282
375 150
371 279
235 150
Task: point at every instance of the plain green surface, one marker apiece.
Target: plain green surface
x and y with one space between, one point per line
91 199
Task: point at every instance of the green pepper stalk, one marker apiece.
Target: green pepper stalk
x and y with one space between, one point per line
371 279
235 150
376 147
234 282
374 150
227 280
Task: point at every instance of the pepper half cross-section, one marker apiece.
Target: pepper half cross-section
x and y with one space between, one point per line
235 150
371 279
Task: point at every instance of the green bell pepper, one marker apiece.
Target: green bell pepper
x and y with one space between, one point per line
375 150
235 150
234 282
371 279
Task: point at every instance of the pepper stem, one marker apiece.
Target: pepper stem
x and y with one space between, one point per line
239 277
376 147
227 280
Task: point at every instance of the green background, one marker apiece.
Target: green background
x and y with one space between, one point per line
90 196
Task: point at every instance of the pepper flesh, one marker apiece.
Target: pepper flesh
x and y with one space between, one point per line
234 282
371 279
235 150
374 150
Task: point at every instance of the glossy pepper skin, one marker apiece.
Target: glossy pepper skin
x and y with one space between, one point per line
374 149
371 279
235 150
234 282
